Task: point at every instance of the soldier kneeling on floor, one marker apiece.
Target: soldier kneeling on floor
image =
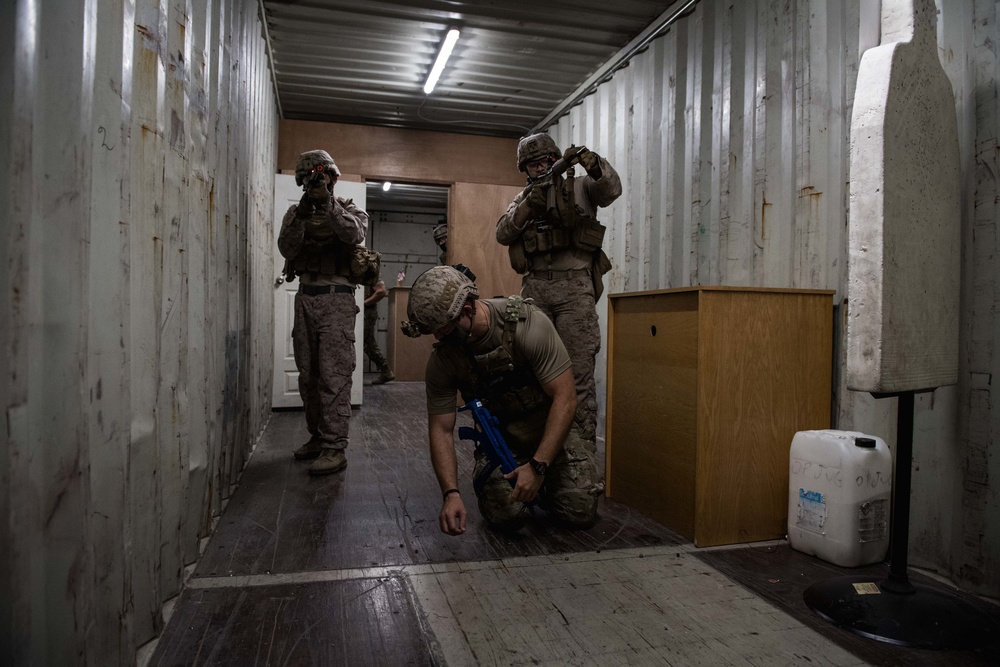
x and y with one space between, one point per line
507 354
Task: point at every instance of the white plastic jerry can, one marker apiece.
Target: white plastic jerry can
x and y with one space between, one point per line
839 490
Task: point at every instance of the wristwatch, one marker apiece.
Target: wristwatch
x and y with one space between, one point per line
539 467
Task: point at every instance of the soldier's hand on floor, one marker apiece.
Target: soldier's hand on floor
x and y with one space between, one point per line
452 516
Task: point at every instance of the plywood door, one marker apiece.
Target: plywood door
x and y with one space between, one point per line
473 211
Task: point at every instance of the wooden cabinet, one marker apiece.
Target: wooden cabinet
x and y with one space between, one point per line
706 387
407 356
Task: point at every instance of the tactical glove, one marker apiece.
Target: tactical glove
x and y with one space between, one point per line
537 199
305 207
588 159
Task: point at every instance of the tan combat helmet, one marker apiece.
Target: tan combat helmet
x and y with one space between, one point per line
314 160
441 233
535 146
436 299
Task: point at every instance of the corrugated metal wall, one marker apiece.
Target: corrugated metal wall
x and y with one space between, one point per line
732 133
139 149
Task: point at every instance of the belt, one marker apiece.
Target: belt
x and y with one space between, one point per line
559 275
313 290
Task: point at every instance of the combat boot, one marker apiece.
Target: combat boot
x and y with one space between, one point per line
310 450
330 461
386 376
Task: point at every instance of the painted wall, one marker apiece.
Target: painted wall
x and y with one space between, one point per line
731 134
139 143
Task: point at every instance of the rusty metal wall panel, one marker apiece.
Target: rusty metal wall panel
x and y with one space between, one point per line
731 133
136 243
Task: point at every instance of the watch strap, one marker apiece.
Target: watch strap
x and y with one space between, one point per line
539 467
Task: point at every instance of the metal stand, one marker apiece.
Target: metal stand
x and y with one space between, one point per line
893 610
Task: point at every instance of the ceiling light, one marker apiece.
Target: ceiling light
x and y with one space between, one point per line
386 186
442 58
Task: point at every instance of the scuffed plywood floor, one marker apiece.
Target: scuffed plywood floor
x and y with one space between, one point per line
352 570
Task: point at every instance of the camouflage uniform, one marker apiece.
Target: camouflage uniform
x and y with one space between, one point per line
441 239
559 255
371 326
323 341
513 393
312 238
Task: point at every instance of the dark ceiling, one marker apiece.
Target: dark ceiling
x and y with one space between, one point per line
517 66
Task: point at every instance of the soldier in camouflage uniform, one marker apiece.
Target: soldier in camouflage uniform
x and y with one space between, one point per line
372 296
554 240
507 354
316 237
441 239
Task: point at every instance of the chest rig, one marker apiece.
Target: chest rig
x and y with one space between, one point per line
321 251
562 226
500 378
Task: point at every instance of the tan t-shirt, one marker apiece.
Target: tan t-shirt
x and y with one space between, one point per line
535 340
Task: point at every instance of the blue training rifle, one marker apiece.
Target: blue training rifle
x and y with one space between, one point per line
489 440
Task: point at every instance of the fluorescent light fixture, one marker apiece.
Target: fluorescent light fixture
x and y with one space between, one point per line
443 55
386 186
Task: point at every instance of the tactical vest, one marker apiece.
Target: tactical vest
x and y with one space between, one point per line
321 251
503 380
561 227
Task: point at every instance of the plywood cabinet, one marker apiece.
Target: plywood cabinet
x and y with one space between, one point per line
706 387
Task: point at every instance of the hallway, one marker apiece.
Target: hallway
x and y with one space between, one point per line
352 569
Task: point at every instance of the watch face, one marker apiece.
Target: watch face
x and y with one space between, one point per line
539 467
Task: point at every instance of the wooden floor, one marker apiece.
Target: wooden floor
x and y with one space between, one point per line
351 569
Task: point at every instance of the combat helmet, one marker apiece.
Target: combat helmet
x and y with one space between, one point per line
310 160
535 146
436 299
441 233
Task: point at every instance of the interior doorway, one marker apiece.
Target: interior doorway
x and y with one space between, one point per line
401 228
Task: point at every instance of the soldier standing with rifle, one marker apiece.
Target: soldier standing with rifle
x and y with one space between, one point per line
506 354
554 240
320 238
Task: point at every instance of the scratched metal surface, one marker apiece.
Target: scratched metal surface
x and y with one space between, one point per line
137 232
382 511
732 135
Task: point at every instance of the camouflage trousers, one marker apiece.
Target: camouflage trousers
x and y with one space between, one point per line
569 494
323 341
371 344
570 305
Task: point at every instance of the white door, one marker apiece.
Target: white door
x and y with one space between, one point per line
285 393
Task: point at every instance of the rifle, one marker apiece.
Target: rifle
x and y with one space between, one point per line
489 440
559 167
